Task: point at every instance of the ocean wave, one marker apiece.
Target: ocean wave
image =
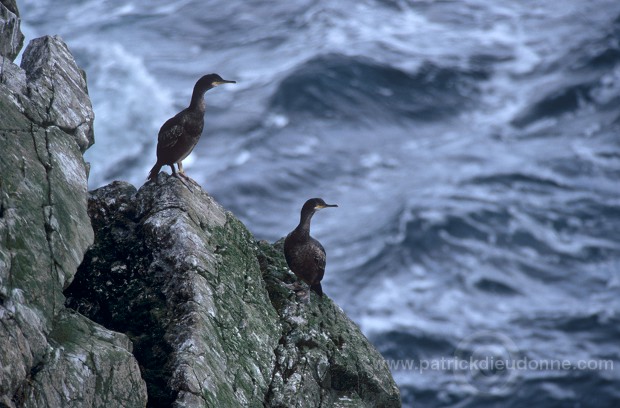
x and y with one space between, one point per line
496 243
403 344
601 53
336 86
596 325
496 287
520 181
589 77
556 103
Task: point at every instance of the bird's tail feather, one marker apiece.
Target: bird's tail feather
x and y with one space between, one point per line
154 171
317 288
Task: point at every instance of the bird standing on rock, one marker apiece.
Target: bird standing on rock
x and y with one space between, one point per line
179 135
305 255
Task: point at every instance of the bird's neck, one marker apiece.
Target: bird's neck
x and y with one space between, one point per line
198 101
304 224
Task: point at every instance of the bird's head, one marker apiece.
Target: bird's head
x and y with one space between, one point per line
315 204
211 81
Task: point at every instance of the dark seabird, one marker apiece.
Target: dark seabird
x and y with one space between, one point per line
179 135
305 255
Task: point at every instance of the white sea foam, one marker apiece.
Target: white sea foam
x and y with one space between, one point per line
129 105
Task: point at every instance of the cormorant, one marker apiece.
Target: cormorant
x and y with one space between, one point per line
305 255
179 135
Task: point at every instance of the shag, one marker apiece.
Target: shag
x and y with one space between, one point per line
305 255
179 135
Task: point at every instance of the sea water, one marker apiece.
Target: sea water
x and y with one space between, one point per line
473 148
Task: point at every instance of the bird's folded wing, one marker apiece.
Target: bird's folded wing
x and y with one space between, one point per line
319 260
170 133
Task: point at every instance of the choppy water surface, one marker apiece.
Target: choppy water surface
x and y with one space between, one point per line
473 148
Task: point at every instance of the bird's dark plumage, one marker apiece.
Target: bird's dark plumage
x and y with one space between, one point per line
305 255
179 135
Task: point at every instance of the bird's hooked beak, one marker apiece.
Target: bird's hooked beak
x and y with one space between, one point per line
320 206
223 81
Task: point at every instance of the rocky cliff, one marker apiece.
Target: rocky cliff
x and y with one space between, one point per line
156 296
49 355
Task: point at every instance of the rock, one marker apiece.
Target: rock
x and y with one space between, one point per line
171 269
11 37
88 366
49 354
206 306
44 223
56 82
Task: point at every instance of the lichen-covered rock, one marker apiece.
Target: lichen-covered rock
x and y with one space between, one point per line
11 37
45 125
209 312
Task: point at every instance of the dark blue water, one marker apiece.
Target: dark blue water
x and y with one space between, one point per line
473 147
